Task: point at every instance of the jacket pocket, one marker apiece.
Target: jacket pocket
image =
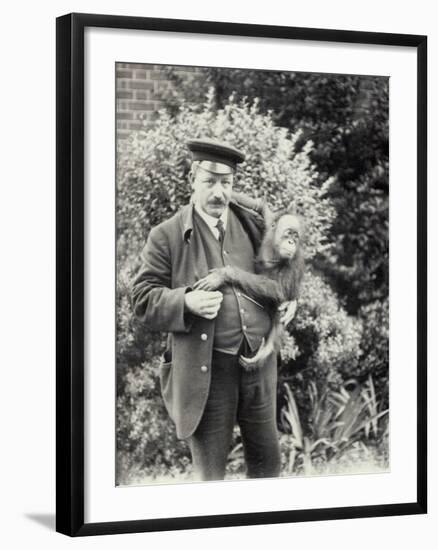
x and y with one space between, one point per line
166 357
165 374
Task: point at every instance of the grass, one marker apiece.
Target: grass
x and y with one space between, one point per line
358 459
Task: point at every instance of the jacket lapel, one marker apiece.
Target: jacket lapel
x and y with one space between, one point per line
196 266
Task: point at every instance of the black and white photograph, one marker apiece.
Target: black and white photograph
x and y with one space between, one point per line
252 274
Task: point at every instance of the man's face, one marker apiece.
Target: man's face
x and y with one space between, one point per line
212 192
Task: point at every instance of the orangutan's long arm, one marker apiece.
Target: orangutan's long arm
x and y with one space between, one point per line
257 286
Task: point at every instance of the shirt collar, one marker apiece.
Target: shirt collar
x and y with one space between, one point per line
211 220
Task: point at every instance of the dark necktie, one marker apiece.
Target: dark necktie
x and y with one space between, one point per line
221 229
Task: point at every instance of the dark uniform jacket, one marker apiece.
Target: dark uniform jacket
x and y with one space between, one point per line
173 260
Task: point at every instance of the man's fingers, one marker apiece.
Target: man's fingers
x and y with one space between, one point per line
208 302
209 315
211 308
212 297
207 295
202 302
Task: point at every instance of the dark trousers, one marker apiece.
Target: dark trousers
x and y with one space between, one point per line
245 397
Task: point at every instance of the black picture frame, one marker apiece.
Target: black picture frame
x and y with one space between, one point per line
70 273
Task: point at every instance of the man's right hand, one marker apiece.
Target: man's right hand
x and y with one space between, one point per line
203 303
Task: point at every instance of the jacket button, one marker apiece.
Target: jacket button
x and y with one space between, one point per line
204 368
204 336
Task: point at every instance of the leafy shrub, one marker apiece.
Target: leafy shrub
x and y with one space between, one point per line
330 337
375 346
145 437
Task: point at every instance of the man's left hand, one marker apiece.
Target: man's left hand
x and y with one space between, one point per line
287 312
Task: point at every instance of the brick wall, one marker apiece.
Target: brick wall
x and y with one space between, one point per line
139 94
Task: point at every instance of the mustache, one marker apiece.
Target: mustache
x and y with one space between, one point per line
217 202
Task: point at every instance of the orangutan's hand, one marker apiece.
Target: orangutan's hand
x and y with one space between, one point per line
214 280
287 310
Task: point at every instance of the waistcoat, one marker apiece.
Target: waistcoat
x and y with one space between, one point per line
239 316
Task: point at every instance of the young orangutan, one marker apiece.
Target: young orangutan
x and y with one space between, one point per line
279 268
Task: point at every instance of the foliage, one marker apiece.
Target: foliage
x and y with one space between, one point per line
325 342
328 339
375 345
145 436
336 420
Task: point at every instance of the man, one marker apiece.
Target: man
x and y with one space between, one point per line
205 389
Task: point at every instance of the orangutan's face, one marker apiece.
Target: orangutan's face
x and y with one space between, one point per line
287 236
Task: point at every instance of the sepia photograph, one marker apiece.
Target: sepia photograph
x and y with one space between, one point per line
252 274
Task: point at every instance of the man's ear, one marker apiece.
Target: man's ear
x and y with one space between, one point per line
190 178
